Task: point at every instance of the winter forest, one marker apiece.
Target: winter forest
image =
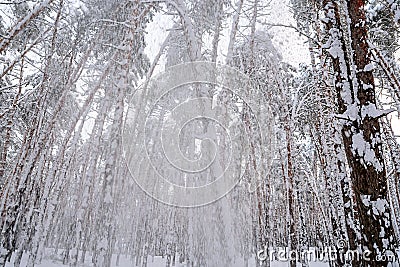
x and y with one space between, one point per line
213 133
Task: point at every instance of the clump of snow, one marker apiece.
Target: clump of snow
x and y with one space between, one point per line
351 112
371 111
363 149
366 200
379 206
369 67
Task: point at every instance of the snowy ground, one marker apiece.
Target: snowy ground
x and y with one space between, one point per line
124 262
52 259
158 262
56 261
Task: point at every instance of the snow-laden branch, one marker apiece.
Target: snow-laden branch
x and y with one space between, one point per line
22 23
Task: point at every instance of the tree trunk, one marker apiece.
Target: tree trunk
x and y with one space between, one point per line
361 129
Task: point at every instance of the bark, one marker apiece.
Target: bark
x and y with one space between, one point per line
361 129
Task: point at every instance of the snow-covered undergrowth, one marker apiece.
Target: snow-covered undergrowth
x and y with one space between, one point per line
52 259
156 262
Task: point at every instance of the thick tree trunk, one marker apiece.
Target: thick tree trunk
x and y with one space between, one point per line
361 129
364 146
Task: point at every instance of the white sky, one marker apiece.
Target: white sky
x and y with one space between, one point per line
287 41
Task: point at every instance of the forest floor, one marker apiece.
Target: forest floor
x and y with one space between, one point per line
158 262
52 259
55 260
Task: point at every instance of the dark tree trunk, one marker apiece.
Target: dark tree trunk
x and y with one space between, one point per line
361 130
368 171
